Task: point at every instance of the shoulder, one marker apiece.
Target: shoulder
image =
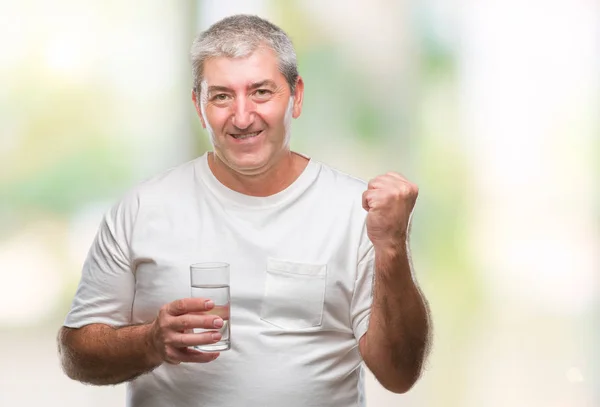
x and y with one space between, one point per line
172 179
163 187
341 182
340 192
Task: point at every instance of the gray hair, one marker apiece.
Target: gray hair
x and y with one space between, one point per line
238 36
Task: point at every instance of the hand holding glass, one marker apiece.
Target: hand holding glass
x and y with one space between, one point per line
210 281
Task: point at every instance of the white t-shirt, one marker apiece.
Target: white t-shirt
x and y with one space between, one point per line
294 335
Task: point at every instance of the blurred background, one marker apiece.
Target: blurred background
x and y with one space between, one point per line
491 107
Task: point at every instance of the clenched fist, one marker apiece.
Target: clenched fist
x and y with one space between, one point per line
389 199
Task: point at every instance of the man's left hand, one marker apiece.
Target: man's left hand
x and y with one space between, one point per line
389 199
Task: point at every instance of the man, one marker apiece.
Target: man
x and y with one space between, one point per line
321 278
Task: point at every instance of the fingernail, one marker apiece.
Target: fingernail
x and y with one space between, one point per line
209 304
216 336
218 323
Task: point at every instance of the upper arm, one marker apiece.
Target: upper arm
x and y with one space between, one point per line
107 285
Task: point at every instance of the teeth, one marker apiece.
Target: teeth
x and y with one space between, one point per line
245 136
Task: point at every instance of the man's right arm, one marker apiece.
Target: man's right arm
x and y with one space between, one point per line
101 354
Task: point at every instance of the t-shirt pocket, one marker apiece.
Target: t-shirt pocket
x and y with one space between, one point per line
294 294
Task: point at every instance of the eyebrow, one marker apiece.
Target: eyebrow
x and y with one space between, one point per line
264 83
255 85
212 89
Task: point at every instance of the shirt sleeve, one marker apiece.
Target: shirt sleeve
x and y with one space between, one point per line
362 297
107 285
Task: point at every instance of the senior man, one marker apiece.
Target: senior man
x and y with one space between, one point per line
321 278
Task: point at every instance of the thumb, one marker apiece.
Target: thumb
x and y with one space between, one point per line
366 198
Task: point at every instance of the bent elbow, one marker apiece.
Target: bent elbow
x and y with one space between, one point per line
399 386
400 382
69 371
68 357
78 373
66 362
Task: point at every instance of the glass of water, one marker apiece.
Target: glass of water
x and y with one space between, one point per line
211 281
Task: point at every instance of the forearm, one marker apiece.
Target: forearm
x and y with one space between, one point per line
100 354
397 341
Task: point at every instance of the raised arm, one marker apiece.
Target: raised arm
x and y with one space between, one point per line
397 341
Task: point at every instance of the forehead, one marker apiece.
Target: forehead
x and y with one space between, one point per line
259 66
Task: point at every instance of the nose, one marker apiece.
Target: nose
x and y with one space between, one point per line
243 113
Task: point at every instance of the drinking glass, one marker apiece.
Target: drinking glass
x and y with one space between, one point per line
211 281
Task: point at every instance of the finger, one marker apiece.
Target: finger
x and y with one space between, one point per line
380 182
193 356
189 355
399 179
220 310
189 321
183 340
185 305
393 183
374 183
377 196
365 200
370 199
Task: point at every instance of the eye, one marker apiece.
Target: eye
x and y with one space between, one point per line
263 93
221 97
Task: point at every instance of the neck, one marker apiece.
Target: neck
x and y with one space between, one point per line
275 179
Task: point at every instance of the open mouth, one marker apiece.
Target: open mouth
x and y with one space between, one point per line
244 136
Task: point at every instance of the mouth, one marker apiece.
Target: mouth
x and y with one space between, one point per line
244 136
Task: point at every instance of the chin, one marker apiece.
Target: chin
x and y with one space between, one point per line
248 164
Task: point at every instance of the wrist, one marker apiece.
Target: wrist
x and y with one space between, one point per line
392 249
153 354
392 262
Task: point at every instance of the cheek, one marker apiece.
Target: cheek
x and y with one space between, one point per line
271 114
216 117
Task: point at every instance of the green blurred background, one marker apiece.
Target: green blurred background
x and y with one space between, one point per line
490 107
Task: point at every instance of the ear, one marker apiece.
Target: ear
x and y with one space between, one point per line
198 108
298 98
